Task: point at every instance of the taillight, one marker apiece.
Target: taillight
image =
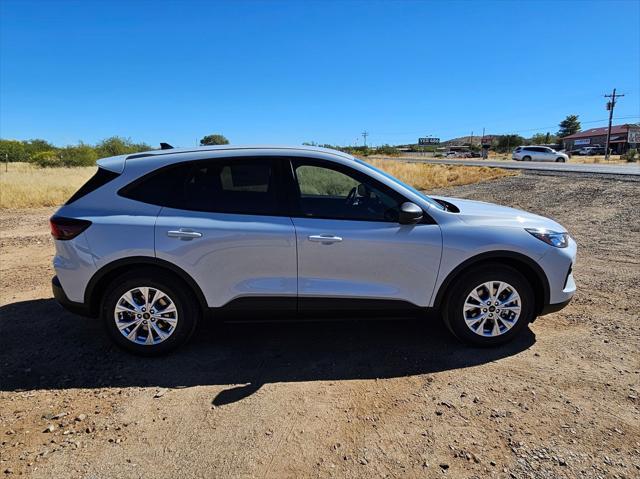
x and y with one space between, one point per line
67 228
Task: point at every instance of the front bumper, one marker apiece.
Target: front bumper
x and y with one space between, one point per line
61 298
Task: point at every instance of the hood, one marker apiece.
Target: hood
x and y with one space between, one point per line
480 212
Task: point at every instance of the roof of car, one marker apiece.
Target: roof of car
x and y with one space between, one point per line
200 149
117 163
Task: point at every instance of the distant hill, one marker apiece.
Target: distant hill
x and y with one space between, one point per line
465 140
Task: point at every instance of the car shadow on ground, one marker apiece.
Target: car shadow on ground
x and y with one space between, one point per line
44 347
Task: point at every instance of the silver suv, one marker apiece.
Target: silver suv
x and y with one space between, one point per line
156 242
538 153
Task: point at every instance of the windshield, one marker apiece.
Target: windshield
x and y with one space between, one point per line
431 201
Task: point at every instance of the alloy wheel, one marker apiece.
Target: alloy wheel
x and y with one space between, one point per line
146 315
492 308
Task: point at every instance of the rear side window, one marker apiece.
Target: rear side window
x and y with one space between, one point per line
241 186
101 178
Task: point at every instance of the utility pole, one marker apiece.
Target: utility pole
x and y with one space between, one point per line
611 104
365 134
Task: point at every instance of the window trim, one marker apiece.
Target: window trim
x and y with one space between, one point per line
281 198
294 193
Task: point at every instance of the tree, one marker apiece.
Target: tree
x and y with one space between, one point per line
509 142
214 139
13 150
79 155
569 126
36 146
117 145
543 139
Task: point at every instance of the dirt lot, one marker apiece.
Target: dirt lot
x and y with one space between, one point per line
337 399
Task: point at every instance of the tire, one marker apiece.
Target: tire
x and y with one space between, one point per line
177 328
526 158
560 160
454 312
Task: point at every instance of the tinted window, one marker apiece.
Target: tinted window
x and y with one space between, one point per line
242 186
101 178
337 192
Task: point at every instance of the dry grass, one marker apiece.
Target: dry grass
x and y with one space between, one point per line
28 186
426 177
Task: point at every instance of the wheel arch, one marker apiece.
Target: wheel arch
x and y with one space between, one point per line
99 281
527 266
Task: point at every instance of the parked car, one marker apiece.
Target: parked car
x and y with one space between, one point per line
156 242
591 150
538 153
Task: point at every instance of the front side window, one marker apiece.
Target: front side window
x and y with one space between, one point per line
337 192
240 186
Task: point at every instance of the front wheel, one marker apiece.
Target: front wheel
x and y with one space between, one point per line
526 158
560 160
489 305
149 313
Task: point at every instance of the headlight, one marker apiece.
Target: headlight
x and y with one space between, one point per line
553 238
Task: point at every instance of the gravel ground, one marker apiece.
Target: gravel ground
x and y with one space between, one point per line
337 399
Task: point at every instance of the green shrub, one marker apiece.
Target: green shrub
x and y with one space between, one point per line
117 145
631 156
47 159
13 150
387 150
81 155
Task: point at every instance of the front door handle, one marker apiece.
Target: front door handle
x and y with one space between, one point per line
325 239
184 234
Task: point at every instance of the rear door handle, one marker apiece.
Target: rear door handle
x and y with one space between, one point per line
184 234
325 239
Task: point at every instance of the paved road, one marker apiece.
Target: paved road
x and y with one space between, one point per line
598 168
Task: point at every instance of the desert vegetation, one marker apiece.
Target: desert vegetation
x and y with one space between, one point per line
25 185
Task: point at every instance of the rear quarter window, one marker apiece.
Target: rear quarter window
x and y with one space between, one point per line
99 179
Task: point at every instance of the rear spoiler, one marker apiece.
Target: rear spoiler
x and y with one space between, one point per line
116 163
113 163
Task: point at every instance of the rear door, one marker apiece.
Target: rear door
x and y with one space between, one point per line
350 244
225 225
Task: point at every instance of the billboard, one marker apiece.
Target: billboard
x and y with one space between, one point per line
428 141
586 141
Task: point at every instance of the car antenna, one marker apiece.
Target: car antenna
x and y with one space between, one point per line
166 146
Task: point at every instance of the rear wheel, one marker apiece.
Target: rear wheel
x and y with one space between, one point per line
526 158
149 313
489 305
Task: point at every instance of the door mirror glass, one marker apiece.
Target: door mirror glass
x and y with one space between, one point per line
410 213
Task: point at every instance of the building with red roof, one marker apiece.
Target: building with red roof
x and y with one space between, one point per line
622 138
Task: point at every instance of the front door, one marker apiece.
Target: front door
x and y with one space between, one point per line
350 244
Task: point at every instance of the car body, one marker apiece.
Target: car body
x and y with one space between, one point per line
591 150
538 153
221 232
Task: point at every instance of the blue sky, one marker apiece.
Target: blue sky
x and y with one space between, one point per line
288 72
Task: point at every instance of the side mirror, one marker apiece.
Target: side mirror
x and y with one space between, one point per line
410 213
